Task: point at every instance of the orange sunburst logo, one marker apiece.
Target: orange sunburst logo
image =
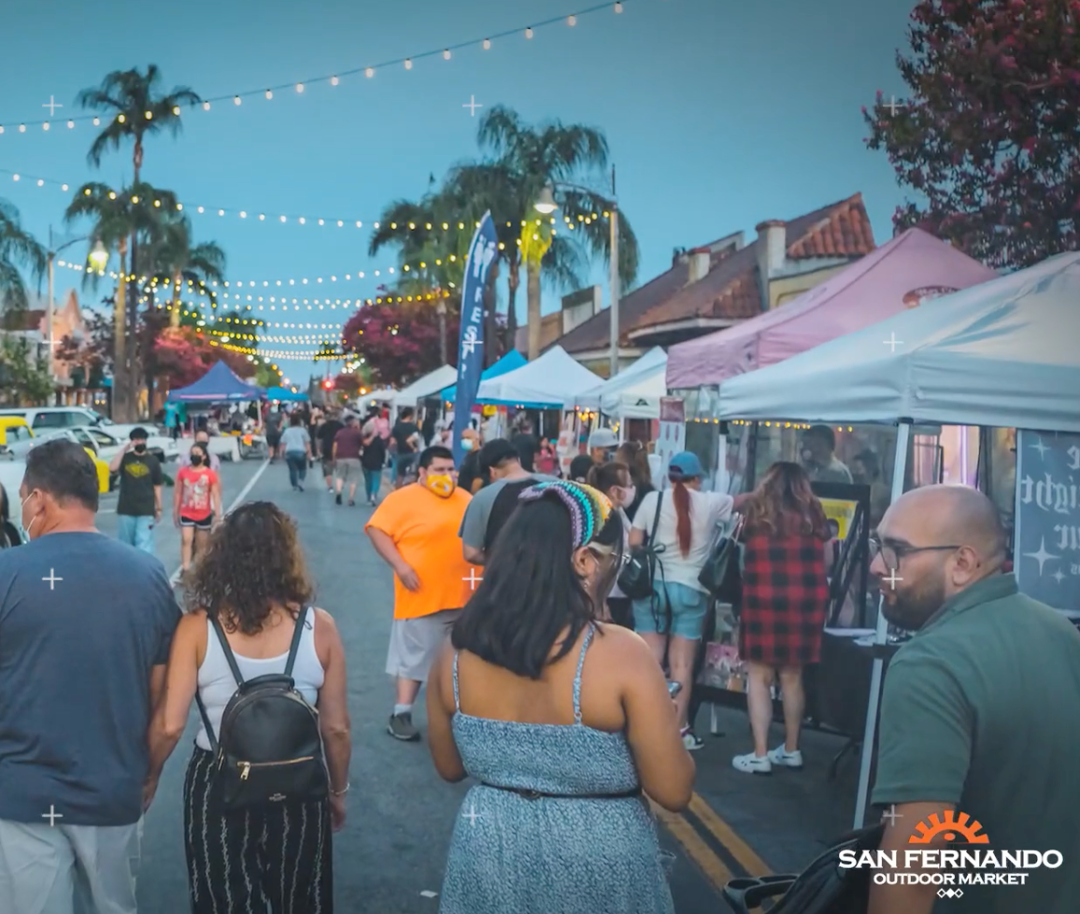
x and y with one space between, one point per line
952 826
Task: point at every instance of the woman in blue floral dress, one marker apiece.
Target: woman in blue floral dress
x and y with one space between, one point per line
563 722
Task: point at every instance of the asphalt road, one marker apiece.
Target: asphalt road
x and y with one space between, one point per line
390 857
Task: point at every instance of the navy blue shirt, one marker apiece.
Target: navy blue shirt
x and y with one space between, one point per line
76 653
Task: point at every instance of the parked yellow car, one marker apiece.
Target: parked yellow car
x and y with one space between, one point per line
15 435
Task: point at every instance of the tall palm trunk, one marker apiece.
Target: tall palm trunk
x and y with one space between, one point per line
120 397
174 314
492 349
532 287
133 302
513 280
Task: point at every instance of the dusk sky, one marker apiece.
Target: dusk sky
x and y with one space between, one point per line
718 115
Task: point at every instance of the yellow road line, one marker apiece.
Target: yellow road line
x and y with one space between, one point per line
711 865
726 835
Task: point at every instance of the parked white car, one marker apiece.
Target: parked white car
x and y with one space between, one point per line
103 443
43 419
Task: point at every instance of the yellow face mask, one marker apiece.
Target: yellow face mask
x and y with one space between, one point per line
442 485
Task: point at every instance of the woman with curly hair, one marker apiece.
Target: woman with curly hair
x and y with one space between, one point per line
785 595
252 580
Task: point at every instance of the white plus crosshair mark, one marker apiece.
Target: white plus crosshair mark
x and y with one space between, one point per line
472 106
52 106
892 107
892 815
52 579
892 342
52 815
472 579
472 815
892 578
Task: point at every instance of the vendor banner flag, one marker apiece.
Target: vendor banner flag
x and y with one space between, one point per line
470 361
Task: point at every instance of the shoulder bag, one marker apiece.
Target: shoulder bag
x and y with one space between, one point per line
723 561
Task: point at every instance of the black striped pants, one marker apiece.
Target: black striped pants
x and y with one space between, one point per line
272 860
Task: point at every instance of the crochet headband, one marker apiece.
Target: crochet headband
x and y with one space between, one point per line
589 508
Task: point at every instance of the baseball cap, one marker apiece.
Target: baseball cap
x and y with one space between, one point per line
495 452
603 438
685 465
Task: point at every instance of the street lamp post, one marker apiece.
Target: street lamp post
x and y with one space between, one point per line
546 205
99 257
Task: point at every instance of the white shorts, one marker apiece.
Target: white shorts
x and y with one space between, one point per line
415 643
44 868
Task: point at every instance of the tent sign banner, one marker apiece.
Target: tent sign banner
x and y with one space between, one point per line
470 361
1047 557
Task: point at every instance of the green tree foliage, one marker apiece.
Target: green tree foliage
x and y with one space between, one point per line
17 249
988 140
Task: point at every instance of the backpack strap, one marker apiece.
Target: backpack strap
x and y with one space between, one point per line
294 648
229 656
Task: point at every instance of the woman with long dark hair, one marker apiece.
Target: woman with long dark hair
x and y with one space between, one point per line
687 524
785 595
563 721
636 457
614 480
253 581
9 535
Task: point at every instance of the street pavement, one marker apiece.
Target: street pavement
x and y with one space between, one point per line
390 857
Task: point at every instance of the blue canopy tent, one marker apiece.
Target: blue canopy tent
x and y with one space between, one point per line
512 361
283 393
218 385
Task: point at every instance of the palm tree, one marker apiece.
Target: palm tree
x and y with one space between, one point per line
553 153
17 246
138 211
177 261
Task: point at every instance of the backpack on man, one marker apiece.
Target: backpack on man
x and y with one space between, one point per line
269 747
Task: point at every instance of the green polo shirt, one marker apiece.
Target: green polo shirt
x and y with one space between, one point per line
981 709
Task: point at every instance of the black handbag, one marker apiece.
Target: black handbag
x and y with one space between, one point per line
637 576
824 887
722 562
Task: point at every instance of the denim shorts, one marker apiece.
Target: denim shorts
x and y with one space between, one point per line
688 608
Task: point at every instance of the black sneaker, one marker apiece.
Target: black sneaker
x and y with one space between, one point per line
352 504
338 499
401 727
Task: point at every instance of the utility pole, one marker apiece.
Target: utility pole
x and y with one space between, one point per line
614 355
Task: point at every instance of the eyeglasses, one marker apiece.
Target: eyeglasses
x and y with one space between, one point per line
892 553
607 552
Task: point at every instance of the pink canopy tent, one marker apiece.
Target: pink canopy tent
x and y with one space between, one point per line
909 269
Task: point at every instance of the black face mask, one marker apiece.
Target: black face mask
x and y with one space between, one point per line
196 460
140 448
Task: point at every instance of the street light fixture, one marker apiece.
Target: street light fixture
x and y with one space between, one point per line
99 256
546 205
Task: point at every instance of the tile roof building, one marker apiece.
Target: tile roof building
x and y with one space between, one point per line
720 284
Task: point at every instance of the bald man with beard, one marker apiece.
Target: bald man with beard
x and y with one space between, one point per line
981 708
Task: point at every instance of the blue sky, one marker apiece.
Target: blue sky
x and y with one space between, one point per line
718 115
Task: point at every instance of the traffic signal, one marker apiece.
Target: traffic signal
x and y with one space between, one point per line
328 384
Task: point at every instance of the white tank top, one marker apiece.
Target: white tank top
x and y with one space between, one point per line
217 684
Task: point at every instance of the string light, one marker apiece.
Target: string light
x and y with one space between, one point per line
449 225
335 79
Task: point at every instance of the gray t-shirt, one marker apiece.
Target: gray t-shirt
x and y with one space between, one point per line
836 471
475 522
295 439
83 619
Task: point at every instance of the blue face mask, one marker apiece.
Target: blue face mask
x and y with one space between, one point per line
466 444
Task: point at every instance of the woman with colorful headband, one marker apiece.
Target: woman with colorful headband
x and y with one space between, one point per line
563 722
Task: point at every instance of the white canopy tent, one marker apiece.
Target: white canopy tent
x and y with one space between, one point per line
430 385
386 395
633 393
1002 354
551 381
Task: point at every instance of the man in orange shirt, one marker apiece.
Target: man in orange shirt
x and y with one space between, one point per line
415 531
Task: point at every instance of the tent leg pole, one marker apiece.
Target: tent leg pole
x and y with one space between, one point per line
903 435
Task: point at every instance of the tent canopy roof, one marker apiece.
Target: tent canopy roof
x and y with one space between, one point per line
218 385
429 385
509 362
550 382
283 393
911 268
1000 354
633 393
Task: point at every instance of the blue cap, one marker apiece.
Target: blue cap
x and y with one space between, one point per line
685 465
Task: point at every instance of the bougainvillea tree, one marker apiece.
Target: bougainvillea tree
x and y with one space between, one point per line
399 343
989 139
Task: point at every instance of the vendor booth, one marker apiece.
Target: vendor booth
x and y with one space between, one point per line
634 393
221 385
1000 359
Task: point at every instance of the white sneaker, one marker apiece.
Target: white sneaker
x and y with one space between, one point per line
780 756
692 741
752 764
